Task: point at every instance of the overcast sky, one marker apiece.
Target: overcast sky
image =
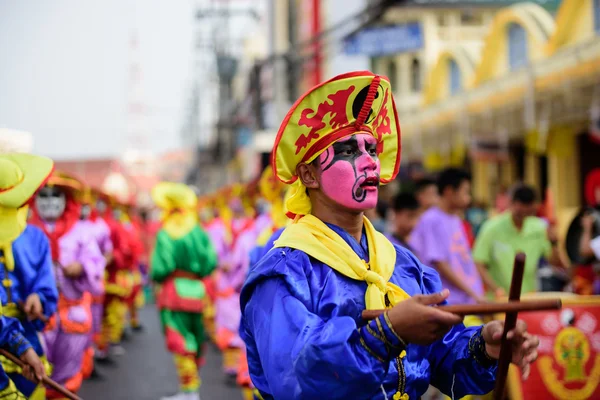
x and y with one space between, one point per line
65 66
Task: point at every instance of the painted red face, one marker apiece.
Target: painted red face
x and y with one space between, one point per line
350 172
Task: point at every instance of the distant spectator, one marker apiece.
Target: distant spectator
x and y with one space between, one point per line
439 239
426 192
502 199
476 215
403 216
513 231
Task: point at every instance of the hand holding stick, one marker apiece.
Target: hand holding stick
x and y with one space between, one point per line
45 380
510 321
486 309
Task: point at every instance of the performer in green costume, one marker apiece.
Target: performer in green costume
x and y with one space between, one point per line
182 257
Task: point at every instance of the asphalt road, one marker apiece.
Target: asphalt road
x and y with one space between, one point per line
146 371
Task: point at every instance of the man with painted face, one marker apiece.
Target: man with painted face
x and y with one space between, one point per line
28 290
78 265
302 302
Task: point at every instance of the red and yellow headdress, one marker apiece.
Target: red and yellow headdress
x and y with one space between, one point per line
351 103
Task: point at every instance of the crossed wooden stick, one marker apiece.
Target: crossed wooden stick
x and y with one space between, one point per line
45 380
511 308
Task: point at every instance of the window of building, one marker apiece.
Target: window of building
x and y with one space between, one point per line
415 75
441 20
597 16
392 74
471 18
455 78
517 46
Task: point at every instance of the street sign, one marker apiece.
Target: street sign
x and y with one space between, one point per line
383 40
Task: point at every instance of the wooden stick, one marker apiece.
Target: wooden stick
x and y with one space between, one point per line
510 321
487 309
47 381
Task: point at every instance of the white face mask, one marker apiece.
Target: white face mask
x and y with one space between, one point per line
101 206
86 211
117 214
50 203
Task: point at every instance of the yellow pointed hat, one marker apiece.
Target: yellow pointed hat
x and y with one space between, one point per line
21 175
171 195
67 181
355 102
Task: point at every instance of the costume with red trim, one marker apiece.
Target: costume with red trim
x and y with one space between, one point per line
73 247
135 300
117 278
229 280
101 232
183 256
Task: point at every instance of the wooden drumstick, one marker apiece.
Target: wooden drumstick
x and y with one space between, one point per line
45 380
487 309
510 321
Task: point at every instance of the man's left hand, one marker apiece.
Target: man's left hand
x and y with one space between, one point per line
33 307
74 270
524 344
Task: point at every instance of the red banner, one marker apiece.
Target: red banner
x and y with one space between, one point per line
568 367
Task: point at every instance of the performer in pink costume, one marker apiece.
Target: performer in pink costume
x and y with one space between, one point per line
101 233
229 281
79 268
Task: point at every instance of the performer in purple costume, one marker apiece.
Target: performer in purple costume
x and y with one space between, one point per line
78 267
101 233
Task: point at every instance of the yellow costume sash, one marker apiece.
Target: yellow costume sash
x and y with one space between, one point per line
315 238
14 222
178 223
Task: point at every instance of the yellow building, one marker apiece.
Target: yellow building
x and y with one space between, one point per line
529 90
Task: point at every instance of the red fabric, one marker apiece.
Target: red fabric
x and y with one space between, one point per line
87 366
176 342
469 232
592 185
136 245
62 226
169 299
211 287
122 254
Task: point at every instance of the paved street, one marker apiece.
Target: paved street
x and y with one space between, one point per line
146 372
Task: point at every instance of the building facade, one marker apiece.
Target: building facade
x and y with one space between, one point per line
523 106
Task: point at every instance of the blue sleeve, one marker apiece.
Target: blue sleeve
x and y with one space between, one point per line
11 336
459 363
302 356
44 283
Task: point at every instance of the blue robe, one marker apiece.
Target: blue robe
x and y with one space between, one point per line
33 273
259 252
13 340
305 338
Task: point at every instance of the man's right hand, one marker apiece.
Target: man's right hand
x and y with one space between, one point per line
416 321
34 368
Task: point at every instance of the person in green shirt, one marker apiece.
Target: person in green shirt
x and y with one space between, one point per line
515 230
183 255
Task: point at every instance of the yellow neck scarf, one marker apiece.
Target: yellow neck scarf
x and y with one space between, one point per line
179 223
13 222
315 238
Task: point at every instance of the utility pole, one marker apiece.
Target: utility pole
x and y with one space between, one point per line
218 43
